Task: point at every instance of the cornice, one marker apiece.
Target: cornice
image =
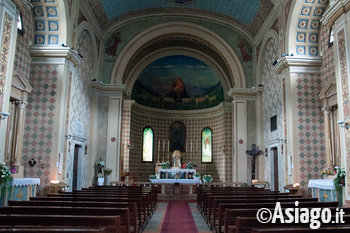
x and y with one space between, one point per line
185 13
328 90
335 10
244 93
164 113
56 52
23 5
294 61
101 87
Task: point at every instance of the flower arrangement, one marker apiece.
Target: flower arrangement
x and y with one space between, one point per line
5 177
152 177
165 165
197 176
325 172
188 165
107 171
339 180
207 178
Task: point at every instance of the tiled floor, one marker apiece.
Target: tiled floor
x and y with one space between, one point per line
155 224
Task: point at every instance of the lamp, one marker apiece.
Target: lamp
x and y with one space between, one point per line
3 115
344 123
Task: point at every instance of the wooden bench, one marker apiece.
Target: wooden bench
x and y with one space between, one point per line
64 210
112 223
130 205
49 229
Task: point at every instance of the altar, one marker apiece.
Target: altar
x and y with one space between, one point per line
323 189
176 173
22 189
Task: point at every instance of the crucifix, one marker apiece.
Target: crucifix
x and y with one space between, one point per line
253 153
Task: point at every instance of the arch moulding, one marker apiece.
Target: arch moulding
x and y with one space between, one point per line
189 30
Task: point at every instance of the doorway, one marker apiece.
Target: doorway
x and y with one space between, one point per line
77 150
275 168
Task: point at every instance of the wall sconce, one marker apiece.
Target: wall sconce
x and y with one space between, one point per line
3 115
345 124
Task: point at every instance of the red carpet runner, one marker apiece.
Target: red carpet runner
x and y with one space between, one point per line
178 218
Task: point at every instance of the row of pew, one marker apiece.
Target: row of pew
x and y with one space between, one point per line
100 209
235 209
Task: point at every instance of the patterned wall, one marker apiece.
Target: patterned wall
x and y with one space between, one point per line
38 129
221 126
4 53
46 22
311 148
308 28
22 56
272 95
79 116
328 64
345 96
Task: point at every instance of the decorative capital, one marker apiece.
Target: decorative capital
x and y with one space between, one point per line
326 110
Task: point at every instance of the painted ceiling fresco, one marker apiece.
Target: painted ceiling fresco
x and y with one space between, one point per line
241 10
178 83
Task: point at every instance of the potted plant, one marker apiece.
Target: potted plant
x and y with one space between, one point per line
5 181
339 181
207 179
197 176
165 165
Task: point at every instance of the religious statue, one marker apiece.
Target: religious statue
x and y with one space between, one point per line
176 159
101 166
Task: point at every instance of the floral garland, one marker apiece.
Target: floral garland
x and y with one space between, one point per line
5 177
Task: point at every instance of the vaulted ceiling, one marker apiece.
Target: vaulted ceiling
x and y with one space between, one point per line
248 13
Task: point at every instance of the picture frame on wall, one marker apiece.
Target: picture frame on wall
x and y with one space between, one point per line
207 145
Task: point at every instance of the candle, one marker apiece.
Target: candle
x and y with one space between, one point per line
158 145
168 146
163 146
191 146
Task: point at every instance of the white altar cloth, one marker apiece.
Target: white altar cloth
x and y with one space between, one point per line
25 181
322 184
172 181
177 170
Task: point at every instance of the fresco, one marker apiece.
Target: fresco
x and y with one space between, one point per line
178 83
207 152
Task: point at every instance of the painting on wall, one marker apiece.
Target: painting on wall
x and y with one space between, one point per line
207 152
177 136
178 83
147 147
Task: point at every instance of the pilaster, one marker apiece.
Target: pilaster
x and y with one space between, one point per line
8 35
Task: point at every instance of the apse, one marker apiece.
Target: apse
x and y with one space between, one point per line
178 82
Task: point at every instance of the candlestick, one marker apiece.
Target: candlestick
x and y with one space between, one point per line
158 145
168 146
191 150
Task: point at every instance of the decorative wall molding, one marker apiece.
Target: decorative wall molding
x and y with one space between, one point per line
100 88
201 113
243 93
290 62
335 10
57 52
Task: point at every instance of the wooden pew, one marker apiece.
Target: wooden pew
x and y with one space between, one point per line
63 210
231 216
111 222
130 205
49 229
245 225
223 206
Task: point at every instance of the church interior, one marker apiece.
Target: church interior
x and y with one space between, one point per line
177 96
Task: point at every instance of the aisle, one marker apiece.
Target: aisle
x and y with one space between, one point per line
175 223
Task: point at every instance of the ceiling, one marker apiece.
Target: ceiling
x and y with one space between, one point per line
249 13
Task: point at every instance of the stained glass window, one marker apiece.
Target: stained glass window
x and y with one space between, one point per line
207 141
147 148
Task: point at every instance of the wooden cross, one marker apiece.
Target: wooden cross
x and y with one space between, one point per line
20 194
325 196
253 153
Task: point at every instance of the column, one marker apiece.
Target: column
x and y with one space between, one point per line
327 130
8 35
114 135
338 16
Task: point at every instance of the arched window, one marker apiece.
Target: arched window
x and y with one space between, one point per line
147 145
207 145
20 24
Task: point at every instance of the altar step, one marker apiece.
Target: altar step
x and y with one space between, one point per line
177 192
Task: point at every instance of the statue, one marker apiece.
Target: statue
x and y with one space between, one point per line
101 166
176 159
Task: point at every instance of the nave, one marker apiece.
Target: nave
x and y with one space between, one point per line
124 209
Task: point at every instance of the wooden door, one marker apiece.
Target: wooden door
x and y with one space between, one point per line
275 167
75 166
